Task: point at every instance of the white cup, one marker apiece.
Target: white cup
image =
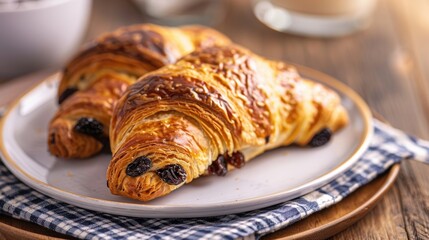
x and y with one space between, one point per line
320 18
40 35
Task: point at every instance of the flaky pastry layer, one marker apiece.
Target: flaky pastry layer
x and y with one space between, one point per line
216 106
95 79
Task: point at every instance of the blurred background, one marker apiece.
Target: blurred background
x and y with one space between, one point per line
379 48
383 42
391 52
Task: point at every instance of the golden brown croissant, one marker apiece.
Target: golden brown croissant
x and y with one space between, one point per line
214 109
94 80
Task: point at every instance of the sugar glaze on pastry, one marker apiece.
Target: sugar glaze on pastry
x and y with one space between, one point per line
95 79
214 109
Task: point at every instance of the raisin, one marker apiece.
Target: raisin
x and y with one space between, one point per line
173 174
66 94
218 167
89 126
93 128
236 160
267 139
321 138
52 138
139 166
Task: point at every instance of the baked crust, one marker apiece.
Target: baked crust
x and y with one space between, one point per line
214 103
95 79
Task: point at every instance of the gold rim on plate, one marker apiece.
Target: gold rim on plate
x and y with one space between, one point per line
315 75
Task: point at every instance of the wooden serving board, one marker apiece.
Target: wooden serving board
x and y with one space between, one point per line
319 225
340 216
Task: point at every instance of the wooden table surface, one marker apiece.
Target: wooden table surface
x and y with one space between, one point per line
387 64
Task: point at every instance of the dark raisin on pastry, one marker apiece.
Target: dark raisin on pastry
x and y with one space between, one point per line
321 138
89 126
267 139
138 167
218 167
236 160
66 94
52 138
173 174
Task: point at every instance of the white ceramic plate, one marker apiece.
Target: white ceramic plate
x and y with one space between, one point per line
274 177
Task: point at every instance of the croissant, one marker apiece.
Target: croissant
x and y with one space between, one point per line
95 79
212 111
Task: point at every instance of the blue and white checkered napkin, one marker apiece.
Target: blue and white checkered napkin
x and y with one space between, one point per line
388 146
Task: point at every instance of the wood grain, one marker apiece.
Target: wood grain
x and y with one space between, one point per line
388 65
321 224
13 89
11 229
318 225
342 215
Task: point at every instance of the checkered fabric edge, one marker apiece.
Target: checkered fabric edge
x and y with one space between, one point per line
388 146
